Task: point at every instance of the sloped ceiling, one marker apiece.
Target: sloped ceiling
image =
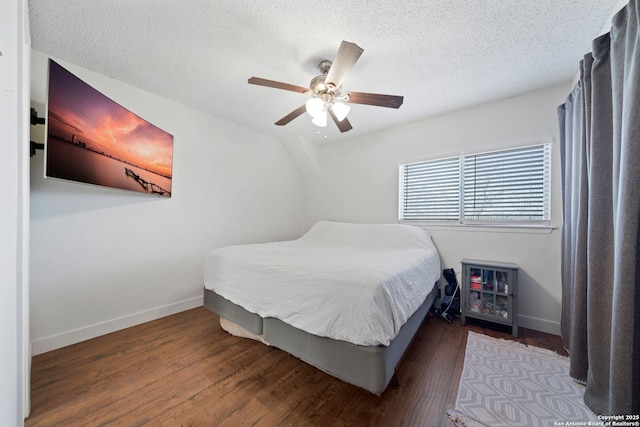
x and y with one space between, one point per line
441 55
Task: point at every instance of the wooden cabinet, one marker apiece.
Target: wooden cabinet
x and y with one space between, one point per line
489 292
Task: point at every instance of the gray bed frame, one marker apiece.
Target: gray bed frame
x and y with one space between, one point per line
371 368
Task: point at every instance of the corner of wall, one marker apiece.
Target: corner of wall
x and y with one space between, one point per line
304 155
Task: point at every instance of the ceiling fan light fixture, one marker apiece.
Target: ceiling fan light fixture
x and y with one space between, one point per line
325 91
320 120
315 107
340 110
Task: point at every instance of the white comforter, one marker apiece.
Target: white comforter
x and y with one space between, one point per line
352 282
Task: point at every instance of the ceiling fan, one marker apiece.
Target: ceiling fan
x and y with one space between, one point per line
325 91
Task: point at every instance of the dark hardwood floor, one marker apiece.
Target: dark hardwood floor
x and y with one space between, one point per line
184 370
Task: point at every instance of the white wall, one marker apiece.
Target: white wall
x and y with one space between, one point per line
14 59
358 181
9 214
104 259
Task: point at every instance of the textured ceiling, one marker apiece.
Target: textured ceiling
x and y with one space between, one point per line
442 55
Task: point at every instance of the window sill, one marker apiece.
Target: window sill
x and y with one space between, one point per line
491 228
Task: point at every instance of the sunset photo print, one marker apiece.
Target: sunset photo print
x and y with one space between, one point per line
93 140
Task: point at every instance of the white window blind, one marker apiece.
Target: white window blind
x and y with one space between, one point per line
504 186
430 190
507 186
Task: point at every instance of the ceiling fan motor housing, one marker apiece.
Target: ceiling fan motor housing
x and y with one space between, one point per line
318 87
324 66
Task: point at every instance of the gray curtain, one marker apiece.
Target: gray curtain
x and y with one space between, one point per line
600 155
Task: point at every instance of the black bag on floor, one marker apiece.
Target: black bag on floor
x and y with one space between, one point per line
450 305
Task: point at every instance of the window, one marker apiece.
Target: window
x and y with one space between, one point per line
498 187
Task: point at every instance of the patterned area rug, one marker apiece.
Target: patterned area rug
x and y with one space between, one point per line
505 383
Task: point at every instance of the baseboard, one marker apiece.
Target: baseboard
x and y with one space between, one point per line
92 331
542 325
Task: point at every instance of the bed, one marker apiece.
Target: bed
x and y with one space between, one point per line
345 298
